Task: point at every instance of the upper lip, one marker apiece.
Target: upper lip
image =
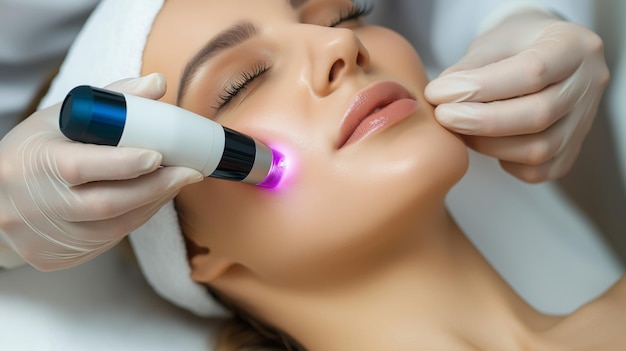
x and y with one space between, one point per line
365 102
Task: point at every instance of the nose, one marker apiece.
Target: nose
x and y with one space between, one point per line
337 54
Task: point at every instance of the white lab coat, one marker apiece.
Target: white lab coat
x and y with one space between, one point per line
442 30
545 247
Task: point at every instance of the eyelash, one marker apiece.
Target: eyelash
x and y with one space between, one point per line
235 87
354 12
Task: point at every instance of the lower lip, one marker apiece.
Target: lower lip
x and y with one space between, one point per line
386 117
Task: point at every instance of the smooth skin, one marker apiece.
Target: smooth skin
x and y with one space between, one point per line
357 245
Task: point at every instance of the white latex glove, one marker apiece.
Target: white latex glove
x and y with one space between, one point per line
526 92
62 203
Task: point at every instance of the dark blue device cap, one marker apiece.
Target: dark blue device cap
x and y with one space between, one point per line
92 115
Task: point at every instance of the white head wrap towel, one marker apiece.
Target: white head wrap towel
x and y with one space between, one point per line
109 48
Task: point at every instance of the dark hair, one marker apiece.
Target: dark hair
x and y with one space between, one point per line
244 332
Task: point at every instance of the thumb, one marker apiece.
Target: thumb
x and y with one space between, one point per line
151 86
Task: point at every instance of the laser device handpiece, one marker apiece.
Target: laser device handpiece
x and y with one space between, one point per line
99 116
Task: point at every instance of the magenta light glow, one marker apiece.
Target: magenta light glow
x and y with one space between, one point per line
277 170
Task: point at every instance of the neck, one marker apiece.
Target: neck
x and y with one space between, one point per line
441 294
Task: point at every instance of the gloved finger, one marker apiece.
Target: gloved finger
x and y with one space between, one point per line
557 166
103 235
151 86
531 149
545 63
95 162
48 259
91 163
554 168
109 199
524 115
564 137
116 228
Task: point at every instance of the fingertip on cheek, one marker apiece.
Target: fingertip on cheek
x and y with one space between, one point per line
433 95
458 118
457 87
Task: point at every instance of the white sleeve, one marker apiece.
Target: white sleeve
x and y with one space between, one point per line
442 30
34 37
576 12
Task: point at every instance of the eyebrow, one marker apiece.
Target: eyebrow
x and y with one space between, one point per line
235 35
229 38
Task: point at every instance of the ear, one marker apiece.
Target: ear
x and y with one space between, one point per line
205 267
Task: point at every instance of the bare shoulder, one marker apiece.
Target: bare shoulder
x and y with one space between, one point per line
598 325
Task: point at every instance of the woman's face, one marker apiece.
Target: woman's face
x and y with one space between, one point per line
298 76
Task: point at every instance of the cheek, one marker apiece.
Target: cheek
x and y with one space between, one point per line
393 54
313 199
303 229
331 215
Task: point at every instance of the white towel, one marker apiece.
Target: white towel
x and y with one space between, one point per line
109 48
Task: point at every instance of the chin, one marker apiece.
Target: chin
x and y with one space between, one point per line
417 154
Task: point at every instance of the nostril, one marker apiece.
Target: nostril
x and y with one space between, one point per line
335 70
361 60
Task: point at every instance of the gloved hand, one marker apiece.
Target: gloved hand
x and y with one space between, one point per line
526 92
63 203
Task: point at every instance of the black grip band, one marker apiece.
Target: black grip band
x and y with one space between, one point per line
238 157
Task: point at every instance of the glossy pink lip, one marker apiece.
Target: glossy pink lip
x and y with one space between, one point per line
378 106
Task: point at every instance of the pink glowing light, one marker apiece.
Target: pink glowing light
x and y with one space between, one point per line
277 171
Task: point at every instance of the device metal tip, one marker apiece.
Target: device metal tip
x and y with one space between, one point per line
276 172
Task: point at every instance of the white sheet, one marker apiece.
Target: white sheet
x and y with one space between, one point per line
543 245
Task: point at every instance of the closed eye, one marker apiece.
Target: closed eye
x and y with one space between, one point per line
234 87
354 12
